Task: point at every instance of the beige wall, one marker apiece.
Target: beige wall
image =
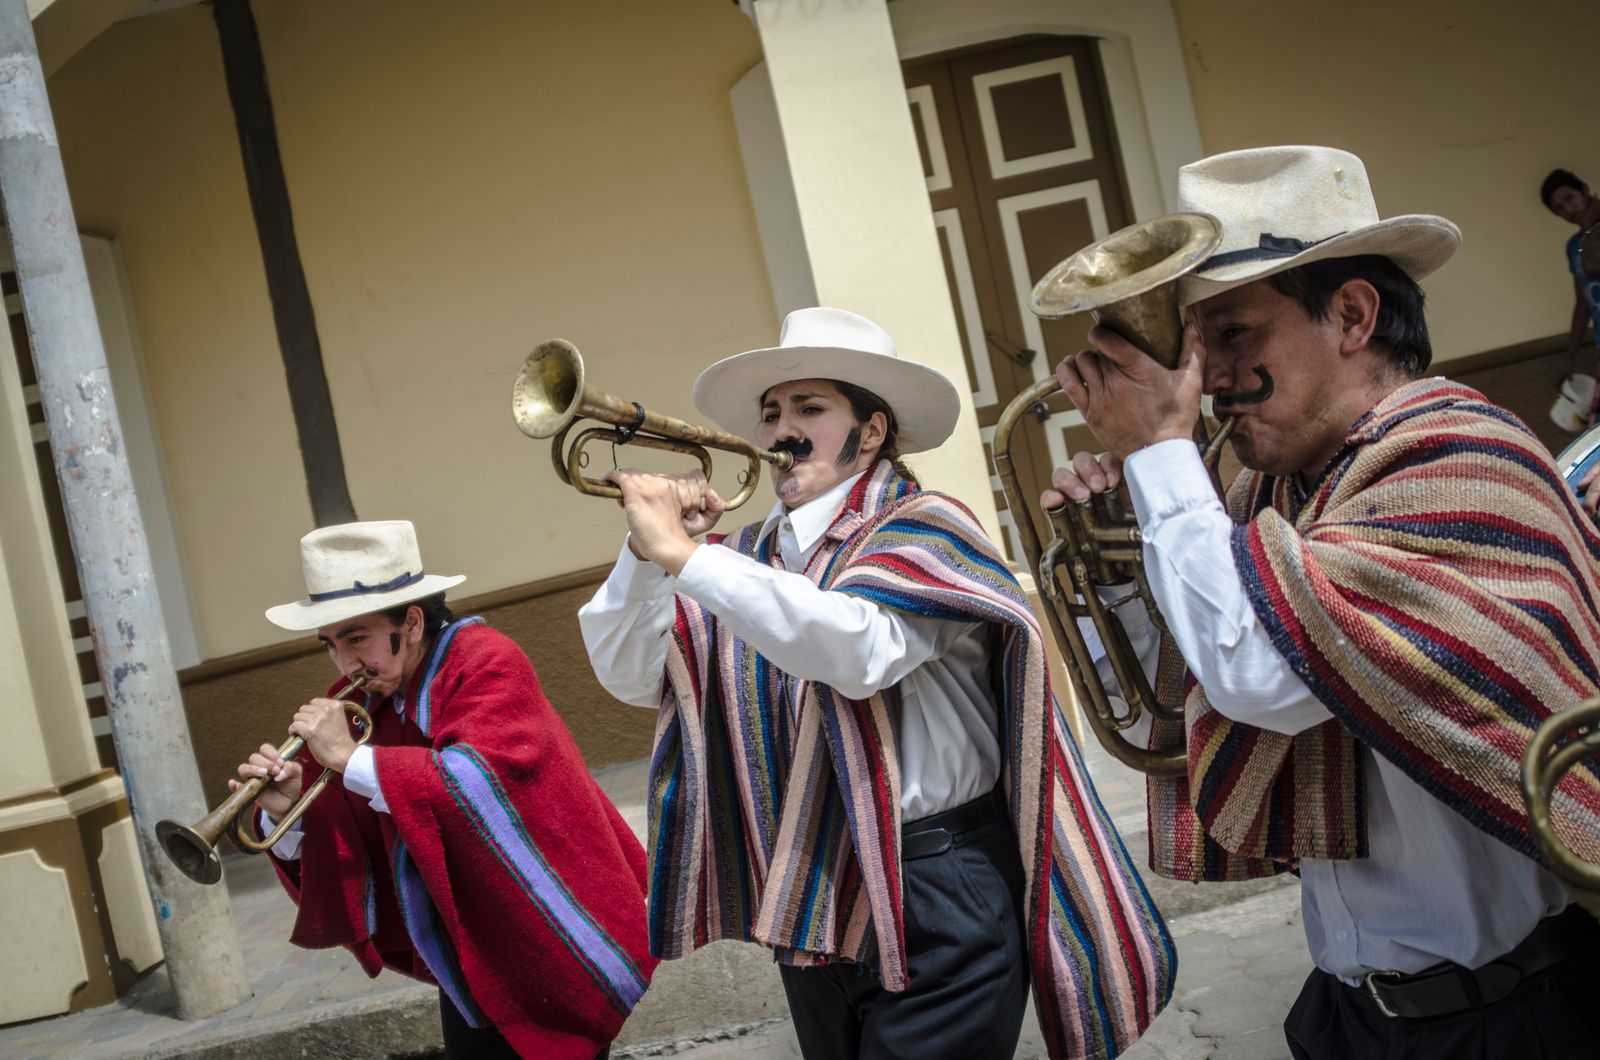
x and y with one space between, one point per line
1457 108
467 180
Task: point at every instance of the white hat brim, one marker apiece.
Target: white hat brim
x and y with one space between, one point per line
925 403
1418 243
310 614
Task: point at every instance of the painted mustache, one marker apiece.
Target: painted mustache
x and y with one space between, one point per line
800 447
1223 400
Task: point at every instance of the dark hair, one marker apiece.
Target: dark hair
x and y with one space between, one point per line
1560 178
1401 330
435 614
863 403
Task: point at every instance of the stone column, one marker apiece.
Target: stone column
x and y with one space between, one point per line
141 688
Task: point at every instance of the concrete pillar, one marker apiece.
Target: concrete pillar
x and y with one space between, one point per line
141 688
846 220
76 916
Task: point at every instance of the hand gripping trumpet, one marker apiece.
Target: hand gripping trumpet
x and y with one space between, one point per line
1129 282
193 848
551 396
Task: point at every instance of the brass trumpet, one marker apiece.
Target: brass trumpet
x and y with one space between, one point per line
551 396
1129 282
193 848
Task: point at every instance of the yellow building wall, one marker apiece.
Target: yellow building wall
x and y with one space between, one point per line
1457 108
467 180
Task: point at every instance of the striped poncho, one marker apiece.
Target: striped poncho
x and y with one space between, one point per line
1439 593
775 804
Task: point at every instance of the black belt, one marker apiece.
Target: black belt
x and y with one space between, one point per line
941 831
1449 987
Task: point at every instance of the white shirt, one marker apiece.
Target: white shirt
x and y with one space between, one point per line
1434 887
948 748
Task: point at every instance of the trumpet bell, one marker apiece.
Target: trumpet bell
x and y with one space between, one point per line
548 390
194 855
1127 280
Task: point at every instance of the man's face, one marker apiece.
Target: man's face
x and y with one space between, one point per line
812 417
1272 366
1570 204
369 645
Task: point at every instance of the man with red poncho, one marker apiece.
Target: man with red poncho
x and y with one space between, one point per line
465 843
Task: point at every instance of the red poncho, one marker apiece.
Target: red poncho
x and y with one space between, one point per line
501 871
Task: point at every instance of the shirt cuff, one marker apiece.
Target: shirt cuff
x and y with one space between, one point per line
288 847
1168 479
710 574
361 773
636 579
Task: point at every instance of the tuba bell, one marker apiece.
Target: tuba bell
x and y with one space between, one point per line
1128 281
193 848
551 396
1561 742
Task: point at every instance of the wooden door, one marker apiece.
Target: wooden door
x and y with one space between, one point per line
1020 158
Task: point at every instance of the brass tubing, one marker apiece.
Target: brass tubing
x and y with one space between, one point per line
1546 761
550 396
192 848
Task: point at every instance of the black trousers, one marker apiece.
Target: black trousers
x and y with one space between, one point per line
463 1041
1550 1014
967 960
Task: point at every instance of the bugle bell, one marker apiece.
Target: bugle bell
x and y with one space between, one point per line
193 848
1128 281
551 396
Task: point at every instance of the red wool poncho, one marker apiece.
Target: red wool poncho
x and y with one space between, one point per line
501 871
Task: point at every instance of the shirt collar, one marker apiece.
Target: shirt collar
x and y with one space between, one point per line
812 519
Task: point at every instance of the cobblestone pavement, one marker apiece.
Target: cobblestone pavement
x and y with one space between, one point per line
1239 968
1240 965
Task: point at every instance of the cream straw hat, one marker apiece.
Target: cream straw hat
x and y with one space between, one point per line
823 343
1281 207
356 569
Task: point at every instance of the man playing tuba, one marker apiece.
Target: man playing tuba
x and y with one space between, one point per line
465 843
859 761
1398 588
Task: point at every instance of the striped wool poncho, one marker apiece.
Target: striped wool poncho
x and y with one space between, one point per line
775 803
1437 592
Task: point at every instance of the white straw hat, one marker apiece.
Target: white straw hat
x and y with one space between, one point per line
824 343
356 569
1282 207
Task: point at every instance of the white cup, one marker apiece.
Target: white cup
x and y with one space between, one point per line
1571 409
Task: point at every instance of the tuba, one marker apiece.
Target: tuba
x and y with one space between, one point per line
193 848
1561 742
1129 282
1566 738
551 397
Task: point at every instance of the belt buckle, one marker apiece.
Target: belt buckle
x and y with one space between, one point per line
1370 981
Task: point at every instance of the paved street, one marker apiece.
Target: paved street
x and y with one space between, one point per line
1240 964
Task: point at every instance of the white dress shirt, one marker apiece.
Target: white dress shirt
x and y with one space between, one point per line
948 747
1433 888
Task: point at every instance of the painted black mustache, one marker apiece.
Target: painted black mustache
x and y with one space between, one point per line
800 447
1225 399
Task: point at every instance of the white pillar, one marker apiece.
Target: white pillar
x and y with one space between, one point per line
854 197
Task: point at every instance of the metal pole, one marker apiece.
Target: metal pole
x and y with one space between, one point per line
204 960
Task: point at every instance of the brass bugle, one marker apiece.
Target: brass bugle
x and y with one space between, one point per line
1129 282
1560 743
551 397
193 848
